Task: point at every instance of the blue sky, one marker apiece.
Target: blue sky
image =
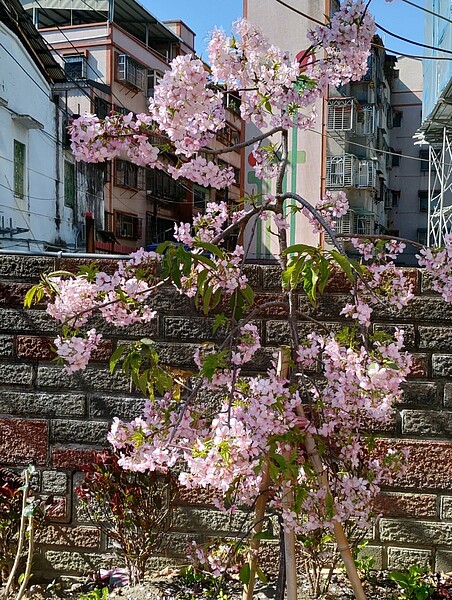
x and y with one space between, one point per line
203 15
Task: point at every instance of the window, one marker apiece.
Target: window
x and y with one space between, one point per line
131 72
129 175
128 226
69 184
232 102
153 79
423 201
396 157
397 118
76 67
365 120
228 136
395 198
422 236
160 185
122 110
158 230
425 162
340 114
200 197
19 169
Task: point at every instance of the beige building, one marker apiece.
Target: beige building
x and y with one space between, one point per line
305 174
351 146
114 53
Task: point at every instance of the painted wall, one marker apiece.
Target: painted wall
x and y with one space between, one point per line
41 211
408 179
287 30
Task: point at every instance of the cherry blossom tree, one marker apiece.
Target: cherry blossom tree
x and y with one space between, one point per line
290 440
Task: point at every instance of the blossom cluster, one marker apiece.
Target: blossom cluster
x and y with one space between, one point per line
345 41
120 298
331 206
381 280
117 136
438 263
185 107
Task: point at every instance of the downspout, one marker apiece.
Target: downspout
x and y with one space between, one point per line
324 138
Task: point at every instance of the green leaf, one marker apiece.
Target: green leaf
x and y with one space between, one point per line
344 264
248 293
261 575
116 356
263 535
34 295
220 320
299 249
211 248
245 574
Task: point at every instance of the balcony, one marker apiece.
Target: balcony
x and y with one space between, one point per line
365 120
356 221
349 171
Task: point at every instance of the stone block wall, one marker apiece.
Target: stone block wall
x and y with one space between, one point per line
53 420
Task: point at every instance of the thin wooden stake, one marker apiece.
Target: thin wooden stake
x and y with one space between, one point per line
261 503
339 533
259 513
287 502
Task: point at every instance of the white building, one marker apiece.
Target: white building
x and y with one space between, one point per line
37 186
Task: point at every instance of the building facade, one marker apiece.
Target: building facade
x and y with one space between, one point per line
36 186
114 54
407 201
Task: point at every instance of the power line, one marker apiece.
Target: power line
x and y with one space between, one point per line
77 51
399 37
427 11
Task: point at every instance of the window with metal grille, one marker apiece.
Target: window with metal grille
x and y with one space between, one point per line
127 226
161 185
102 108
364 224
129 175
69 184
335 171
131 72
19 169
365 120
153 79
76 66
340 114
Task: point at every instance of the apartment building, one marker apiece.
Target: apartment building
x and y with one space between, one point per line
358 161
306 174
407 200
436 129
114 54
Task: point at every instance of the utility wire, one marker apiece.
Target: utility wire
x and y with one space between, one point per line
427 11
77 51
399 37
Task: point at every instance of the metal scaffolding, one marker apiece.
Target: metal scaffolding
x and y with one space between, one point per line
440 190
